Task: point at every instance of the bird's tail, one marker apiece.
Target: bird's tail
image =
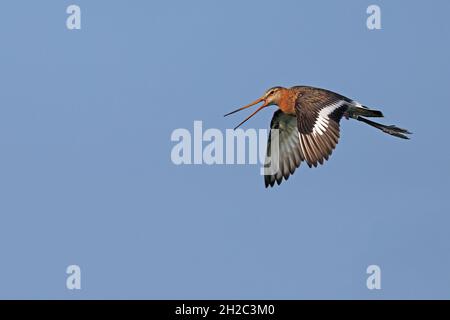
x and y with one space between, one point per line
356 110
392 130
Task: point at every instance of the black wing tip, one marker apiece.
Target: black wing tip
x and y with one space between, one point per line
269 184
272 182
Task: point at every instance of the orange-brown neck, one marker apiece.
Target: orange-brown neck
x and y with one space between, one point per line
286 102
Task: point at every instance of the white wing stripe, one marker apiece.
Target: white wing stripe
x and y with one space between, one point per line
322 119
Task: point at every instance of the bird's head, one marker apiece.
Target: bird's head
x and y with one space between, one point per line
271 97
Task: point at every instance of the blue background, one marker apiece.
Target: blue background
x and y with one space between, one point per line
86 176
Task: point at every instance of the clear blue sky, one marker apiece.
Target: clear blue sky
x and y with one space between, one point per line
86 176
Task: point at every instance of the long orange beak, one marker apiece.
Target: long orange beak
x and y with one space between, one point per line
248 106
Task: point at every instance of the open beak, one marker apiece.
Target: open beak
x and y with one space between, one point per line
248 106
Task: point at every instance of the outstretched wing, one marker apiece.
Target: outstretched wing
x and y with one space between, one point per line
284 155
318 114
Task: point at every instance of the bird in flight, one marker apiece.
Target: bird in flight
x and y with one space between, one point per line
307 121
